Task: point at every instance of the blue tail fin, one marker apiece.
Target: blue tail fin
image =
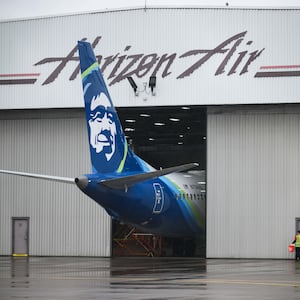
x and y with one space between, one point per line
108 147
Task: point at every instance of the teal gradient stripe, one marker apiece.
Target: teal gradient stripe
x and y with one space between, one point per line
188 208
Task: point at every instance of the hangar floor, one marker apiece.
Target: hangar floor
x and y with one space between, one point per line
147 278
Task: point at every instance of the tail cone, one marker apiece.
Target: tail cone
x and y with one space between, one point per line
82 182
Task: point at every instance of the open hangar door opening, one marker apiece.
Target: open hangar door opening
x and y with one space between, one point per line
164 137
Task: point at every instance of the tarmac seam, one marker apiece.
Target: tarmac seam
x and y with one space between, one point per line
244 282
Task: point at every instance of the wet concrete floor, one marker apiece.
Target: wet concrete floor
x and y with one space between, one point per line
147 278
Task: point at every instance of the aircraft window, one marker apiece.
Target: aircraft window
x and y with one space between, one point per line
191 196
198 197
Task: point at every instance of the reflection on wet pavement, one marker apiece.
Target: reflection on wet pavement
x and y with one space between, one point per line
147 278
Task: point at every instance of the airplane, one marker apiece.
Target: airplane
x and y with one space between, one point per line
167 202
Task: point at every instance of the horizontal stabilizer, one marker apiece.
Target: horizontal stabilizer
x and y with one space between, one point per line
45 177
127 181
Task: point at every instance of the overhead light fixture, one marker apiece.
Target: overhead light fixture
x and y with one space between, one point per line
159 124
174 119
130 121
127 129
133 85
152 84
145 115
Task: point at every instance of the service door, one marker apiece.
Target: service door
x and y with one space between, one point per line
20 243
297 224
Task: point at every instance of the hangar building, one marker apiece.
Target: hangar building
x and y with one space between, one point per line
227 95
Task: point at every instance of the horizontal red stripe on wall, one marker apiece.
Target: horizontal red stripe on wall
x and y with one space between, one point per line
17 81
20 75
280 67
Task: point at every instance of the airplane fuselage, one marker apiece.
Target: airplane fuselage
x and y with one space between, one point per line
173 204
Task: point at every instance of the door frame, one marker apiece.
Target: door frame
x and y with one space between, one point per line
13 219
297 221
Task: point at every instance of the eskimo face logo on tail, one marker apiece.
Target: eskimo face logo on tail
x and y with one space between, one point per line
102 125
106 139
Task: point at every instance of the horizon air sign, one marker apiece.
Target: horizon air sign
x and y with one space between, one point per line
125 65
235 56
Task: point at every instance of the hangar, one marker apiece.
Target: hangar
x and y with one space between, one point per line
227 94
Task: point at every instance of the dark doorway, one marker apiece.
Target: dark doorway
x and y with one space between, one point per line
164 137
297 224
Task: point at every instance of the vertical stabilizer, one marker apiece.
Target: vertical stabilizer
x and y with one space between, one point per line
108 147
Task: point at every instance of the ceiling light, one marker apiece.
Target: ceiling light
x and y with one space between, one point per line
129 129
185 107
159 124
130 121
145 115
174 119
181 135
151 139
180 143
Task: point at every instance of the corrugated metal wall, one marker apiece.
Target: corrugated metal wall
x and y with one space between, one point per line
253 177
63 221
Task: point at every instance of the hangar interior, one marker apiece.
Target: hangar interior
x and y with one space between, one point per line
164 137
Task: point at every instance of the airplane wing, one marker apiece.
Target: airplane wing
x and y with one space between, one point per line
45 177
126 181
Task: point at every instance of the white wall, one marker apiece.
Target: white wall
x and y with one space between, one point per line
139 39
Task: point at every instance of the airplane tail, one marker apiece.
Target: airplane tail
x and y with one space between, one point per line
109 150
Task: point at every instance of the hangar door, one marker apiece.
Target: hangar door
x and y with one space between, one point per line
63 221
253 180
